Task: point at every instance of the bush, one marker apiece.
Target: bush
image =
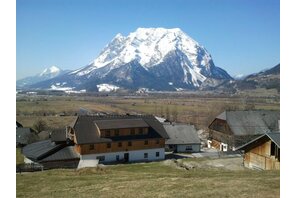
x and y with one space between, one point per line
40 125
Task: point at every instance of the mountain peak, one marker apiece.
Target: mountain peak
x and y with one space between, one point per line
152 58
51 70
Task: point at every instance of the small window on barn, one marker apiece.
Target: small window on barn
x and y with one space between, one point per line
272 149
129 143
132 132
107 133
145 155
188 148
145 142
157 154
120 144
141 131
108 145
91 147
157 142
117 132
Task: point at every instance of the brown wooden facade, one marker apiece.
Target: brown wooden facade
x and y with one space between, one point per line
220 132
266 156
118 146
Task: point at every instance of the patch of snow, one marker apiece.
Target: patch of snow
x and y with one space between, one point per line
107 88
72 91
170 83
53 87
179 89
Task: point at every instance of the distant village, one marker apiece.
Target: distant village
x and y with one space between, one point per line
101 139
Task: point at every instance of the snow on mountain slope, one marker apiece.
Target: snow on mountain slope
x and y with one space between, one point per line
150 58
107 88
52 71
46 74
149 47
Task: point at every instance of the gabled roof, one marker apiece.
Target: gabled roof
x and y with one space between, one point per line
251 122
18 124
273 136
25 135
121 123
58 135
65 153
41 149
181 134
86 130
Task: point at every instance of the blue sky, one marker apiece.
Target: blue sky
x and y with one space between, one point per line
243 36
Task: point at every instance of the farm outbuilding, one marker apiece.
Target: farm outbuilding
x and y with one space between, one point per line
232 129
263 152
183 138
51 154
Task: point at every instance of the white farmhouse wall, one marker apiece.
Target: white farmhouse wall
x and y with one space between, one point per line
183 148
92 160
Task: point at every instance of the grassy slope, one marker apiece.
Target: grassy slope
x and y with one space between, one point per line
149 180
19 156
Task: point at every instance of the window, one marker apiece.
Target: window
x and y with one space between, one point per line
145 142
116 132
120 144
157 154
118 158
141 131
92 147
108 145
107 133
100 158
157 142
272 149
132 131
188 148
145 155
129 143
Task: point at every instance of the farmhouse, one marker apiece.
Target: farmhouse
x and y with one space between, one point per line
182 138
90 140
106 139
263 152
232 129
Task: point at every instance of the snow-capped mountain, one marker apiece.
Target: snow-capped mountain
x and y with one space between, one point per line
46 74
153 58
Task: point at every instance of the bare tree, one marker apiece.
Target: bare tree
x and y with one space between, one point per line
40 125
174 114
167 113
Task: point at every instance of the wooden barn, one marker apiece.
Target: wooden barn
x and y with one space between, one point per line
263 152
232 129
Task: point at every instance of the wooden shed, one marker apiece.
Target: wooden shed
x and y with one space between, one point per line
263 152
